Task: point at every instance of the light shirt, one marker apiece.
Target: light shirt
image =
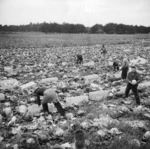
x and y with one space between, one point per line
50 96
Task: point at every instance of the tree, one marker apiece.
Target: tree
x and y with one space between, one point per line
110 28
97 28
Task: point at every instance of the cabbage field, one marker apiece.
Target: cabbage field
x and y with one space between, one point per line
92 93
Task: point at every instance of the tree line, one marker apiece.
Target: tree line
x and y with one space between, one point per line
110 28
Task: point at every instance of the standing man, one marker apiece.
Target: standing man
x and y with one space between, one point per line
133 79
80 140
79 59
125 67
49 96
103 51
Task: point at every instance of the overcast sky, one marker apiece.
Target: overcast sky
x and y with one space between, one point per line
87 12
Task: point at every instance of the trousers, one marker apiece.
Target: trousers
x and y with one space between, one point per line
57 105
124 72
134 90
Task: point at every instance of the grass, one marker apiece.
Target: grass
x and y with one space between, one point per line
42 40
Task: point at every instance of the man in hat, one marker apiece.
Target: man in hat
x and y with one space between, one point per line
80 140
79 59
133 79
116 64
103 51
49 96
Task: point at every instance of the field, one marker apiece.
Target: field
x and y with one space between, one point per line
42 40
107 119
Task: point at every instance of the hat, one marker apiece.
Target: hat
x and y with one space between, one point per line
133 66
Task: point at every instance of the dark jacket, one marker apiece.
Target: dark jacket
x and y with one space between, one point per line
133 76
39 92
103 50
116 63
79 57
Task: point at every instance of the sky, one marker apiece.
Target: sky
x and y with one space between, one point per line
87 12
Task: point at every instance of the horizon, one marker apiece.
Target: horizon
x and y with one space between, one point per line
86 12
